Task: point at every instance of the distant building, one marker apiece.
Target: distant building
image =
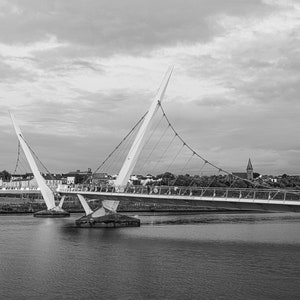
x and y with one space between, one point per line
100 178
136 179
76 177
249 172
22 183
21 176
71 179
53 180
27 181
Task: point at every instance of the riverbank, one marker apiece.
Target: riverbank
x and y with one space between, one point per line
174 211
72 205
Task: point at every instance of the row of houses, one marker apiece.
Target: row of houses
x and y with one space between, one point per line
27 180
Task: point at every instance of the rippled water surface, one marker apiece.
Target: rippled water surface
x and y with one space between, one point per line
208 256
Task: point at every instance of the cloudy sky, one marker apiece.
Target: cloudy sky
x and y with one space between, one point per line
78 74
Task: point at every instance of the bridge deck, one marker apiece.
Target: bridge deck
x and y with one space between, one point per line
251 199
268 200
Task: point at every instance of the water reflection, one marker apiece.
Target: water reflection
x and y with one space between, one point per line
208 256
168 219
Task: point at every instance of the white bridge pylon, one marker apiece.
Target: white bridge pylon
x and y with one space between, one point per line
109 206
45 190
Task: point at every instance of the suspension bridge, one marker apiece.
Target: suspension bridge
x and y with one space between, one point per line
154 145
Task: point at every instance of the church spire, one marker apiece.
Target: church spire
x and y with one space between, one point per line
249 166
249 170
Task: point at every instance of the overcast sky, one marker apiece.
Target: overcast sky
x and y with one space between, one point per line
78 74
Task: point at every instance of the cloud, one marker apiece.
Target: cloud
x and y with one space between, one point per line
84 71
132 25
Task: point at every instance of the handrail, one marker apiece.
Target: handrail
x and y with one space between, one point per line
207 192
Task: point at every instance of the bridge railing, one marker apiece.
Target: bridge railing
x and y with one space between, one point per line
8 189
208 192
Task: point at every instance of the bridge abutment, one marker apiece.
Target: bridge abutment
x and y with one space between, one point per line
52 213
110 220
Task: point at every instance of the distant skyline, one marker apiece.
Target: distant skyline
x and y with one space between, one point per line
78 75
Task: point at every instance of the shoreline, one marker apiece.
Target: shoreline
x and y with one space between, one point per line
160 211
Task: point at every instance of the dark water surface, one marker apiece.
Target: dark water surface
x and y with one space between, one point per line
209 256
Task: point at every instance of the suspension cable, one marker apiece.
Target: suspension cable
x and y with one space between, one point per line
212 164
155 145
173 160
18 157
204 164
35 155
116 148
164 152
119 154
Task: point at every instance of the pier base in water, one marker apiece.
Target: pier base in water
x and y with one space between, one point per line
52 213
110 220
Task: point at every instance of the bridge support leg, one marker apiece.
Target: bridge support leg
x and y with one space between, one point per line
56 212
52 210
102 217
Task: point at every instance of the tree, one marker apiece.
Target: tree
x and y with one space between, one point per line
256 175
5 175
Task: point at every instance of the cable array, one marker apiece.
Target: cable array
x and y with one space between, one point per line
22 164
167 155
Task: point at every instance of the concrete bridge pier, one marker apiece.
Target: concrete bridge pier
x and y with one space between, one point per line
104 216
109 220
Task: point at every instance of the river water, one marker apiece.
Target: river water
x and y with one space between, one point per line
204 256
